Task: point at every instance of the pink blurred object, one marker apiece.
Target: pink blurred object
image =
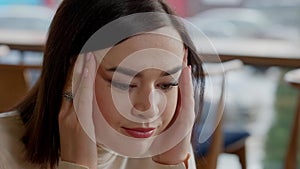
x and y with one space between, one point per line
180 6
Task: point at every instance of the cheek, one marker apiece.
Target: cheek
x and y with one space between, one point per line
104 101
171 106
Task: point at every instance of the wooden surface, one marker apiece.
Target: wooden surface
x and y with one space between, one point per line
293 78
254 51
14 84
23 40
209 161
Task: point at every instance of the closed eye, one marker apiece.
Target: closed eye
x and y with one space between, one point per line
122 86
167 86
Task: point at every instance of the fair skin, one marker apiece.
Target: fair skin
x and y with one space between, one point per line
78 147
141 86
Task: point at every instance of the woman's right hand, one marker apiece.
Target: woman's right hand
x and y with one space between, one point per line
78 144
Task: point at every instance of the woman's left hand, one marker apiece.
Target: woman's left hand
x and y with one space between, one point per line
184 120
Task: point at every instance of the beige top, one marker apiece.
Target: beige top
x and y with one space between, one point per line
12 151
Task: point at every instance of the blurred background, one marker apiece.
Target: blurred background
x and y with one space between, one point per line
258 100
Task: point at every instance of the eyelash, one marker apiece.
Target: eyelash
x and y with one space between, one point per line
168 86
124 86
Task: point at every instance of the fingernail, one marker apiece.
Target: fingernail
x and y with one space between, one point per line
88 57
85 72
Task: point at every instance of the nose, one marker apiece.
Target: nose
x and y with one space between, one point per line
146 103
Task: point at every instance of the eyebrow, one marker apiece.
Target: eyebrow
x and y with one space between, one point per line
130 72
172 71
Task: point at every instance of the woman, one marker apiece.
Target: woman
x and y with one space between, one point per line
47 130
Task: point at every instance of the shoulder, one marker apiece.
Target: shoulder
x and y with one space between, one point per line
11 127
11 147
113 160
10 123
9 116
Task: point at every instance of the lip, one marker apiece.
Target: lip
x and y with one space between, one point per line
139 132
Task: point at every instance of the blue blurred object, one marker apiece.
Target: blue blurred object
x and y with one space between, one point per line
19 2
25 17
232 139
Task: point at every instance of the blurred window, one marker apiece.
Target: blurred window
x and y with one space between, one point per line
24 24
25 17
266 19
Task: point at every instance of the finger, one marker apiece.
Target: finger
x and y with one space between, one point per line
67 96
83 98
77 71
84 93
186 87
185 57
186 92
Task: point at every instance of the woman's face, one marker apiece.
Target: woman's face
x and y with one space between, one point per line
137 83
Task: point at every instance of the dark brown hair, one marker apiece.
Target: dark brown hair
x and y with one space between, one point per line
74 23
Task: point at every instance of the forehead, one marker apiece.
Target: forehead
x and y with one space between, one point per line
162 45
